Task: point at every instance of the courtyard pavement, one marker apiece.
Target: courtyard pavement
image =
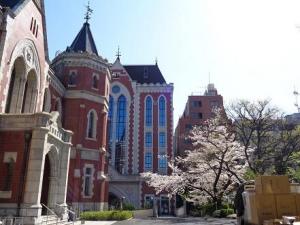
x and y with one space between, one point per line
178 221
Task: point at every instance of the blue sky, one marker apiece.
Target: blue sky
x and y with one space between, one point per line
250 48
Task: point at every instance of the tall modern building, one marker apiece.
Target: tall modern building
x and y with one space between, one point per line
140 128
198 109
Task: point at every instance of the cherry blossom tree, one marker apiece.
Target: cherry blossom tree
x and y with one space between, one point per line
209 170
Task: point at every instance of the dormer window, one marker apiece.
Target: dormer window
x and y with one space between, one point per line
145 73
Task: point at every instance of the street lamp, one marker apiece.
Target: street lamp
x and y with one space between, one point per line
122 201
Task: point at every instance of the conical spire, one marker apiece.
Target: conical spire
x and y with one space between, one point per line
84 41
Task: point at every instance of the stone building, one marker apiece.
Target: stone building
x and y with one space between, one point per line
198 109
52 121
140 128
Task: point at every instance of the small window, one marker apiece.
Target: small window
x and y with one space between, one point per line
188 127
92 124
214 104
88 181
72 78
116 89
197 115
95 82
162 139
146 75
9 175
197 104
148 160
148 139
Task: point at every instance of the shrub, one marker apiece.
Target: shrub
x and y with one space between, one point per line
222 212
106 215
129 207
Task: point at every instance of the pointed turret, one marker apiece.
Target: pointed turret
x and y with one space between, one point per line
84 41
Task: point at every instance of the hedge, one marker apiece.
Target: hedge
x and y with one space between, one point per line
106 215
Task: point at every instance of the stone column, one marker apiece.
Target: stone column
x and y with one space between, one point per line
34 179
53 186
63 179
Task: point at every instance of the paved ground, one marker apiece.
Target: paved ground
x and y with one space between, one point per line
178 221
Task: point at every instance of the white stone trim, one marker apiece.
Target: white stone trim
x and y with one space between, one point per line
10 155
87 95
77 173
55 83
5 194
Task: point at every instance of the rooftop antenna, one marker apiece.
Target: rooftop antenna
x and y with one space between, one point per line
88 13
118 53
296 93
156 61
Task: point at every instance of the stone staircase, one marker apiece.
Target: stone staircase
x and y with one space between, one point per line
55 220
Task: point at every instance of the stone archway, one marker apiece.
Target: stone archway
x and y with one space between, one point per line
15 90
50 179
45 185
30 93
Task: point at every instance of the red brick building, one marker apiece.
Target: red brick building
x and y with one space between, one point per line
198 109
139 132
52 120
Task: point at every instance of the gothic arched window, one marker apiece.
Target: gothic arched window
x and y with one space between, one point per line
148 111
121 118
162 111
72 78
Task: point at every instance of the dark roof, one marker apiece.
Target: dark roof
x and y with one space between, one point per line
10 3
145 74
84 41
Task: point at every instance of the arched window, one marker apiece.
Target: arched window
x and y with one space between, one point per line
110 117
148 116
91 125
30 93
121 118
95 82
162 111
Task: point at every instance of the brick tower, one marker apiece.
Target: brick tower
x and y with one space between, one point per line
86 77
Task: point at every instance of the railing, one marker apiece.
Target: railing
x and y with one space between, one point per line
71 214
12 220
47 215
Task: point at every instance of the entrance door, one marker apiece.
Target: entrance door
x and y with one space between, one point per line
45 187
164 205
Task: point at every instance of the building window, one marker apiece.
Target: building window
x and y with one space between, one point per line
148 111
148 161
148 139
197 103
116 89
162 111
148 202
162 163
9 175
92 123
72 78
88 181
121 116
197 115
95 82
162 139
